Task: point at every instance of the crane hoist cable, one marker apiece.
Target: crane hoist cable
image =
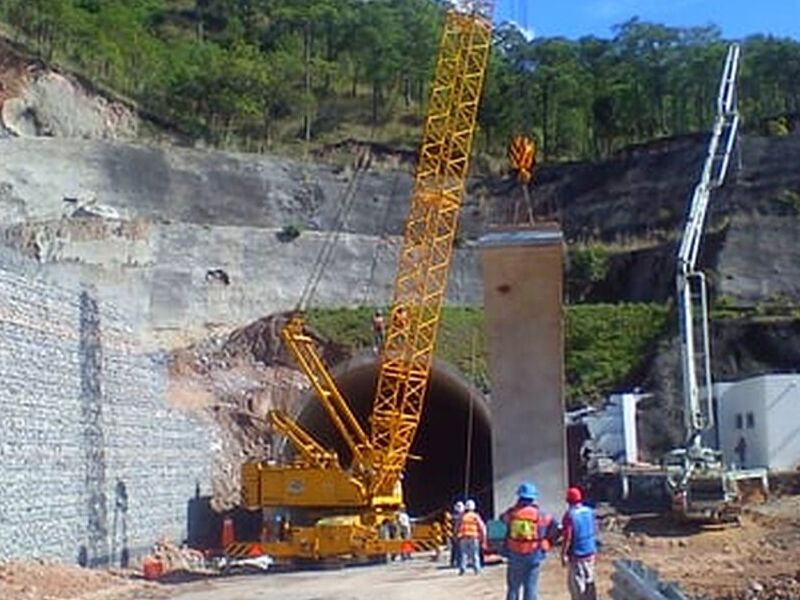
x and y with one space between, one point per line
325 254
471 417
382 231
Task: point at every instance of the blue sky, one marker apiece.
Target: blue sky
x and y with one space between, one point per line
575 18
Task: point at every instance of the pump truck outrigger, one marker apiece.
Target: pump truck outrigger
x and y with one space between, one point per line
702 487
337 510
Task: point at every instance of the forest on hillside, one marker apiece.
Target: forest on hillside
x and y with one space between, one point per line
266 74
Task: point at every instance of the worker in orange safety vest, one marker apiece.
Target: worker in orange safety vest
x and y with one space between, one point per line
529 535
471 538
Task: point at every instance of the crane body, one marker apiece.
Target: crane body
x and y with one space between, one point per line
339 509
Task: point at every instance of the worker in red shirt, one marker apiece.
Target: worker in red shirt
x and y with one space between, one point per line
579 546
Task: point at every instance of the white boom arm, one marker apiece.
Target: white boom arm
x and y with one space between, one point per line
691 283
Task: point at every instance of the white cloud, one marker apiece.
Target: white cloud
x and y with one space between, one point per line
527 32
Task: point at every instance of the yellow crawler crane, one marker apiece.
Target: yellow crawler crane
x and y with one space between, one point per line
345 507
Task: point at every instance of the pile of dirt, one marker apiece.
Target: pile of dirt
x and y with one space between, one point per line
236 379
755 561
39 580
776 588
13 72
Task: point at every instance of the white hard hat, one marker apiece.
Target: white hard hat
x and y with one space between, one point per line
458 506
470 505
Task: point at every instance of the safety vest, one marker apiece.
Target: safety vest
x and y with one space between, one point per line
527 529
584 542
469 525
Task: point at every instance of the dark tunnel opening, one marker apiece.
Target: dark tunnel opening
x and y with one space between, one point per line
439 477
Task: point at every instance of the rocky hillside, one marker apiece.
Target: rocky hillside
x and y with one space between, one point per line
197 243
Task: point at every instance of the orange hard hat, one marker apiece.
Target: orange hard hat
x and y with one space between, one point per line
574 495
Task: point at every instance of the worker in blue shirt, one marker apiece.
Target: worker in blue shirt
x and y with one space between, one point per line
579 546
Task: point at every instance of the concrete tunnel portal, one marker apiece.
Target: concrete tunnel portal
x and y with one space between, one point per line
437 478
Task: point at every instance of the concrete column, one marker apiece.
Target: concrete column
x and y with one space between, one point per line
523 298
629 402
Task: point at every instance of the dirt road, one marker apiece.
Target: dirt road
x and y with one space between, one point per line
418 579
758 561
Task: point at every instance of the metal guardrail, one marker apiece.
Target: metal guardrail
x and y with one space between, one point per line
634 581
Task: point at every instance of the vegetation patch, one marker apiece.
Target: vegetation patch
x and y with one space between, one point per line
605 343
789 198
587 265
289 233
294 75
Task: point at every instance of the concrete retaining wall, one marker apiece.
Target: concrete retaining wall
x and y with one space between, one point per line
184 213
95 465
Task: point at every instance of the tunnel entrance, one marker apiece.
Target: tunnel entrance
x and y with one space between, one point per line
439 477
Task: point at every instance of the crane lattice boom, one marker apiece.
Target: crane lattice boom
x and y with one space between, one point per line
426 253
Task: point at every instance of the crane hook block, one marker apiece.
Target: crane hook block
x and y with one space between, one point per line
522 157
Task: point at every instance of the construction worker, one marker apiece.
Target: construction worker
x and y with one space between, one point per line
471 534
579 546
378 331
404 527
529 536
455 551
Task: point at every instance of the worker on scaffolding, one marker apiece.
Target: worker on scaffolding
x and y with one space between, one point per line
471 534
378 330
579 546
529 535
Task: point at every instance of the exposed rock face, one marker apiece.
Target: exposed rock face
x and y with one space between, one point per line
53 105
38 102
193 239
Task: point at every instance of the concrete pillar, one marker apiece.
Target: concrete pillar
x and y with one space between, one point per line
523 298
629 402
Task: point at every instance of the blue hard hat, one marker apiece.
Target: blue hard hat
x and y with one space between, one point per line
527 491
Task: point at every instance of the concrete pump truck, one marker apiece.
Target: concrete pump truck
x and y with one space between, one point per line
702 487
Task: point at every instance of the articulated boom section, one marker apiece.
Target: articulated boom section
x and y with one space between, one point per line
425 257
303 350
310 449
691 282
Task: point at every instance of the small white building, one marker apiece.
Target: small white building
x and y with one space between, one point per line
758 421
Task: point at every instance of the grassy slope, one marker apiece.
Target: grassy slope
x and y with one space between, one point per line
605 342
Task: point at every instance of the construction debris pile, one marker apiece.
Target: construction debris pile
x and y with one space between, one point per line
779 587
36 580
235 380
